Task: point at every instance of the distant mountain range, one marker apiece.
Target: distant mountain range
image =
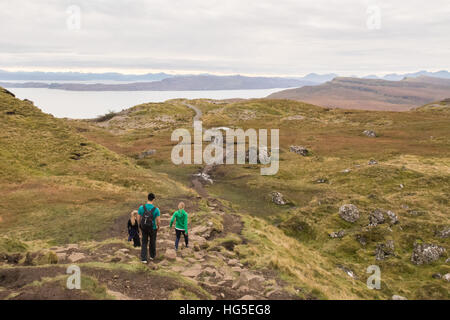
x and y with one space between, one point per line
77 81
79 76
371 94
178 83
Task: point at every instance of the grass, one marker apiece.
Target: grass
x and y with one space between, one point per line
65 181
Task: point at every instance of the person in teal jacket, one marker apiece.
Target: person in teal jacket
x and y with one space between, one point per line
181 225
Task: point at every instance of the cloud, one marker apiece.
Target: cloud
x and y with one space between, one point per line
250 37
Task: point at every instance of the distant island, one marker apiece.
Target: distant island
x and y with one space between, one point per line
178 83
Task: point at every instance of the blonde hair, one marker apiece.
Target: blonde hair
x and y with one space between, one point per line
133 216
181 205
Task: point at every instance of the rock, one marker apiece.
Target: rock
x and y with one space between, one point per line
262 155
204 177
448 260
445 233
348 271
370 133
241 281
338 234
384 250
393 217
192 272
372 162
446 277
278 198
397 297
170 254
322 180
376 217
426 253
346 171
361 239
349 213
208 271
247 297
124 250
233 262
299 150
146 154
61 256
256 282
437 276
76 256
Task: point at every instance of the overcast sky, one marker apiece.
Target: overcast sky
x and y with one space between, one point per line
257 37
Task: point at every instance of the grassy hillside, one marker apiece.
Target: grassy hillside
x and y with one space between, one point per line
57 185
74 178
371 94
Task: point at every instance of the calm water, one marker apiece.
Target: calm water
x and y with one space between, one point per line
83 105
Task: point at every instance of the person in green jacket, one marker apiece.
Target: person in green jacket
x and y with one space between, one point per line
181 225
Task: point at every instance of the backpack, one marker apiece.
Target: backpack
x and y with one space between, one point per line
147 219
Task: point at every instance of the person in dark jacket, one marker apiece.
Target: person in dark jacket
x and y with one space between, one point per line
133 229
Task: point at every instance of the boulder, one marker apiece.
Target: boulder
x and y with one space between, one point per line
262 155
376 217
426 253
146 154
397 297
445 233
256 282
338 234
384 250
436 276
446 277
349 213
370 133
192 272
76 256
299 150
361 239
170 254
392 217
278 198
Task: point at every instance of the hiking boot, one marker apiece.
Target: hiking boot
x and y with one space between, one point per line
144 261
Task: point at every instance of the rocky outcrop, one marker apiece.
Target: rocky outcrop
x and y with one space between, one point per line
146 154
383 250
338 234
278 198
299 150
349 213
444 233
370 133
426 253
392 217
262 155
376 217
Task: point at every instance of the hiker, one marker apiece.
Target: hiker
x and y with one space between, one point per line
149 222
181 225
133 229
